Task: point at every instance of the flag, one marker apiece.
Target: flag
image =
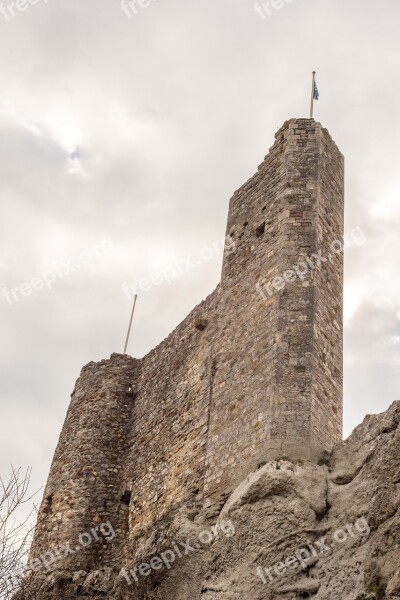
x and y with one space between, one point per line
316 92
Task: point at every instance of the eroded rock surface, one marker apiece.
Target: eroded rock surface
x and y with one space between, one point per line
290 530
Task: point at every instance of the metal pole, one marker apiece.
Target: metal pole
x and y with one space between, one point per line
312 95
130 324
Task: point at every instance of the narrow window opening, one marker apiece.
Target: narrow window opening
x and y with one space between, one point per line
48 504
132 391
260 230
201 324
126 497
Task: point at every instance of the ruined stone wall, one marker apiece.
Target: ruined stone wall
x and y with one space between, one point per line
278 383
248 375
166 464
327 367
83 488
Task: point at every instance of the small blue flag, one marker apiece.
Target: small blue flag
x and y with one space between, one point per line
316 92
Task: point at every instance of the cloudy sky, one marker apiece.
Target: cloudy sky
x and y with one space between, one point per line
123 135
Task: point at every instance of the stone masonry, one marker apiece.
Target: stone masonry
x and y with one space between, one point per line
253 373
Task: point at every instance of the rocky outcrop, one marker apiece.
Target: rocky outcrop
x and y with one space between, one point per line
290 530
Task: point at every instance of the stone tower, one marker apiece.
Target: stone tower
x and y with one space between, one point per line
253 373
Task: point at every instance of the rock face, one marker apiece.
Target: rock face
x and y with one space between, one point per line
290 530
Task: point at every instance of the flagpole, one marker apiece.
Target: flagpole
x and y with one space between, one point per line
312 95
130 324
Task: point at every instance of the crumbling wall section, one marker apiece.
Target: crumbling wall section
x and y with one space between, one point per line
166 463
84 486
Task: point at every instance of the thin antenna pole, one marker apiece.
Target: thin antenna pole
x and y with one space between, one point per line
130 324
312 95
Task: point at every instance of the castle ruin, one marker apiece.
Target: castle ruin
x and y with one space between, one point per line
253 373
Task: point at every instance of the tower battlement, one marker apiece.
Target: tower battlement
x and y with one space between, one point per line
253 373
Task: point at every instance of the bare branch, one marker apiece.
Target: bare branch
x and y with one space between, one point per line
15 532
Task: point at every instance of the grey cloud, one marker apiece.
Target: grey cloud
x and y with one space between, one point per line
171 111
